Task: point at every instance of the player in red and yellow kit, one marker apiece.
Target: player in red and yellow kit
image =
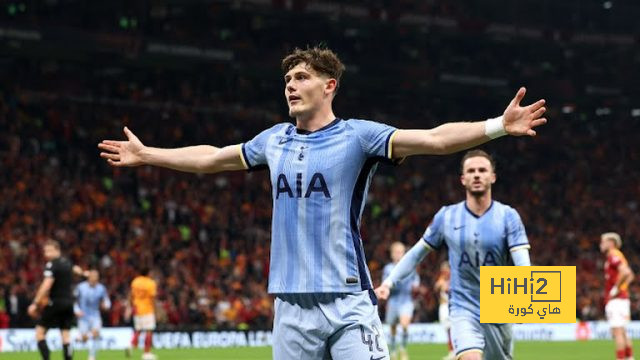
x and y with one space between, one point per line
618 275
143 294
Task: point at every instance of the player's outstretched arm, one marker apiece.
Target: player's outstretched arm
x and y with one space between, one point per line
448 138
404 268
194 159
78 271
520 257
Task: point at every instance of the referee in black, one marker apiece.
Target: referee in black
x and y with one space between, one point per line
57 312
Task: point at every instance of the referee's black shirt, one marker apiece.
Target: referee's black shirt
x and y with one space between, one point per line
62 272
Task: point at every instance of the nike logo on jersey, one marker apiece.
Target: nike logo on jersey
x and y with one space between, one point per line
285 140
458 227
378 358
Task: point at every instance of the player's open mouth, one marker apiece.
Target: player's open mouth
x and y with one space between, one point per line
293 98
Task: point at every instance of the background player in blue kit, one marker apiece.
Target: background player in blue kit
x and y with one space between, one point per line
478 232
320 170
91 298
400 304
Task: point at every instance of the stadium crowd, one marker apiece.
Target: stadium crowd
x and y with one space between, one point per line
207 237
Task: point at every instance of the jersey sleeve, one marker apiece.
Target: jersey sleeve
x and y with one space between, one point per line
254 151
516 234
106 302
153 289
386 271
375 138
407 264
434 234
76 295
616 259
49 269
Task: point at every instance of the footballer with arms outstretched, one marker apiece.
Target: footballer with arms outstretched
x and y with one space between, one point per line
320 169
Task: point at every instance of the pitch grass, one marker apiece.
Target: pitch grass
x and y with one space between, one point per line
587 350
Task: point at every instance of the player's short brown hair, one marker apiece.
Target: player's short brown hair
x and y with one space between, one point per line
53 243
477 153
321 60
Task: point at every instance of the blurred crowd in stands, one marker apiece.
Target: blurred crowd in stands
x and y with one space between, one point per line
207 237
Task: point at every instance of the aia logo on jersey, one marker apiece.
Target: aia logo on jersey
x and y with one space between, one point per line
317 184
475 261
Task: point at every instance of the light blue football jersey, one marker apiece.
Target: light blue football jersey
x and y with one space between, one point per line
319 185
89 298
473 242
401 291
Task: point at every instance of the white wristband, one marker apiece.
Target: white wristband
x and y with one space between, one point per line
494 128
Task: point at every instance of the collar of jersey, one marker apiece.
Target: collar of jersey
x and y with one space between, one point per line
328 126
483 214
